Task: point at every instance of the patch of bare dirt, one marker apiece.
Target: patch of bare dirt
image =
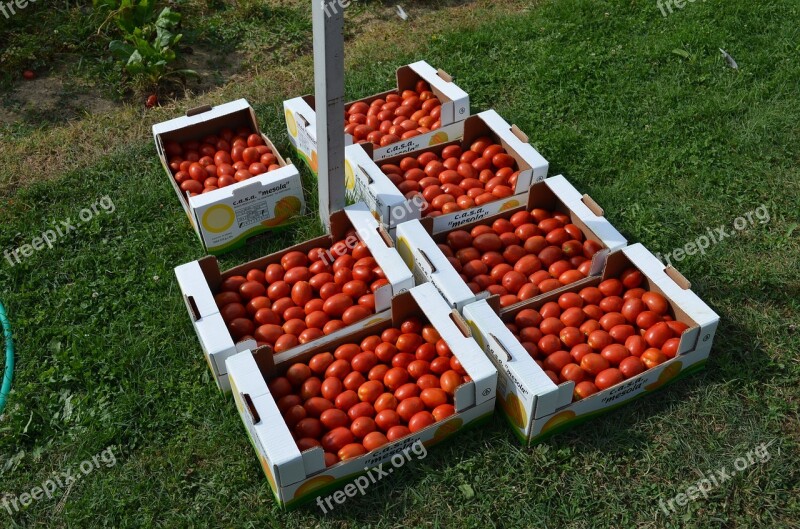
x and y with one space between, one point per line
214 69
51 99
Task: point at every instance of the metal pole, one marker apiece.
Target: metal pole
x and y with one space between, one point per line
328 19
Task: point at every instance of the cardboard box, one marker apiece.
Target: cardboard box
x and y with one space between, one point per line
199 281
392 208
301 118
297 477
420 251
535 406
226 218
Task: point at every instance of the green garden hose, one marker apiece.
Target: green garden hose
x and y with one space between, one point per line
5 389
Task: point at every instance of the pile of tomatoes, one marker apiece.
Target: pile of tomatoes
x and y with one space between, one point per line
303 298
219 161
365 395
521 257
456 180
600 336
398 117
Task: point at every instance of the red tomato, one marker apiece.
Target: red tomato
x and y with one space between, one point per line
309 427
670 347
370 391
407 391
385 401
449 381
409 407
655 302
658 334
387 419
395 378
599 339
362 426
433 397
374 440
631 278
555 362
608 377
443 411
584 389
351 451
647 319
631 366
615 353
331 388
573 372
593 363
298 373
294 415
653 357
316 405
397 432
334 418
420 420
636 345
362 409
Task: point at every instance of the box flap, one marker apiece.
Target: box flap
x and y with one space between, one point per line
213 113
263 419
483 373
570 196
419 251
457 108
535 161
369 231
194 288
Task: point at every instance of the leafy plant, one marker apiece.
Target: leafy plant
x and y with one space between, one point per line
128 15
149 43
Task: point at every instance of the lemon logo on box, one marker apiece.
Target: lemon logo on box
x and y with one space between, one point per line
558 419
219 218
286 208
314 161
349 176
668 374
439 137
405 252
511 204
514 410
312 485
291 124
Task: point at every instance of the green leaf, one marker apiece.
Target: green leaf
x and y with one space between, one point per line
682 53
467 490
168 19
120 49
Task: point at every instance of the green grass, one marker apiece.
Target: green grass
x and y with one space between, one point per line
668 145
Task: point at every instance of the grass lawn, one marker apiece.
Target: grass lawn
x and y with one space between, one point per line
636 109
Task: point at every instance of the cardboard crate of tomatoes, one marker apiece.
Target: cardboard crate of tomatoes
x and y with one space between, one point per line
552 239
231 180
319 418
425 108
575 354
486 171
314 292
